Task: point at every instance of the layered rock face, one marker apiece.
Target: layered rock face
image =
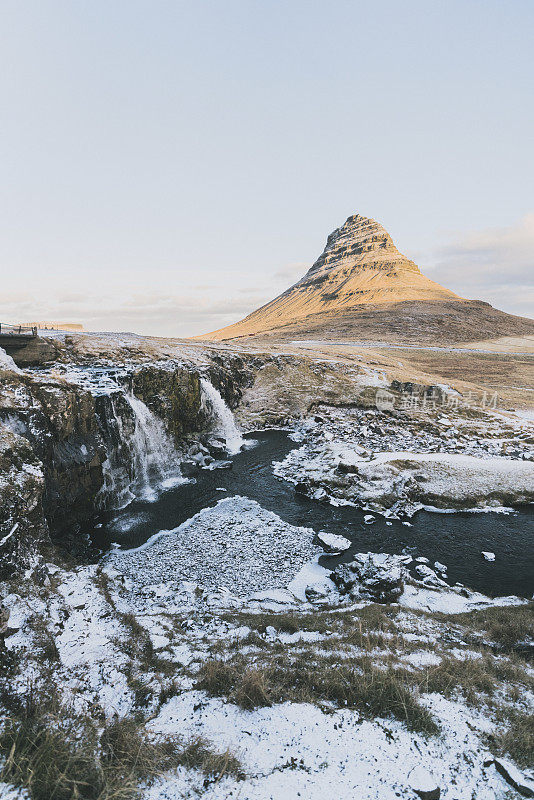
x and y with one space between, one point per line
59 422
359 265
22 521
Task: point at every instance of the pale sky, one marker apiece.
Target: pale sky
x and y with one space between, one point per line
168 166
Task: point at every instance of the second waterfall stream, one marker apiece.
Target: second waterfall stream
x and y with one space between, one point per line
224 422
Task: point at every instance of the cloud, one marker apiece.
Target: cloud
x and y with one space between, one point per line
496 265
148 309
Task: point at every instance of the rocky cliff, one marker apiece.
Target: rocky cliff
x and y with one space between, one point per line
22 521
55 421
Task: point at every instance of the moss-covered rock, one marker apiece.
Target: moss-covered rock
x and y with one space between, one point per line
59 422
174 395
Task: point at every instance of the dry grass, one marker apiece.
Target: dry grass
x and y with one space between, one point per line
361 685
357 663
507 627
198 754
56 754
376 619
517 739
43 642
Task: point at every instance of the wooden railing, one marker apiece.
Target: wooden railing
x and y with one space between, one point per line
17 330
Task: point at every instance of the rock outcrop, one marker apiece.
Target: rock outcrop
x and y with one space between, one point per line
22 522
401 483
373 576
58 421
173 395
31 353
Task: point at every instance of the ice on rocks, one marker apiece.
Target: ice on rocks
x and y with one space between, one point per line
404 482
450 600
378 576
333 543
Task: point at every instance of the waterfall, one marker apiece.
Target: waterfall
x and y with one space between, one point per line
155 460
141 458
118 478
224 422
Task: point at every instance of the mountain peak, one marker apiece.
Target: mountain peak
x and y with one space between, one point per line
360 242
359 265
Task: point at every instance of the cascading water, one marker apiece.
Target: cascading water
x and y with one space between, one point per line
118 477
154 457
141 458
224 422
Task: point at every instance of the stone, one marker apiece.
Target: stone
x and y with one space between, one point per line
427 575
424 783
515 777
333 543
315 593
377 576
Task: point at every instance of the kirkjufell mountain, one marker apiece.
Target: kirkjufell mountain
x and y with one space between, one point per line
362 286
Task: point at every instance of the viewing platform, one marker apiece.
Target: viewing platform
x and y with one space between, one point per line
24 345
16 335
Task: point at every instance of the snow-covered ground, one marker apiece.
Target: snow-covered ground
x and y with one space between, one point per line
395 466
237 589
404 482
296 750
237 545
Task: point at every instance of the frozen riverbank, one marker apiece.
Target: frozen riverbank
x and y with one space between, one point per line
401 483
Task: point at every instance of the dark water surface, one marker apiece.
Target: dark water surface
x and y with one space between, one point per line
456 540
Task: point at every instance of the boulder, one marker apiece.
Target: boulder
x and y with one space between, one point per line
428 576
376 576
424 784
333 543
515 777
